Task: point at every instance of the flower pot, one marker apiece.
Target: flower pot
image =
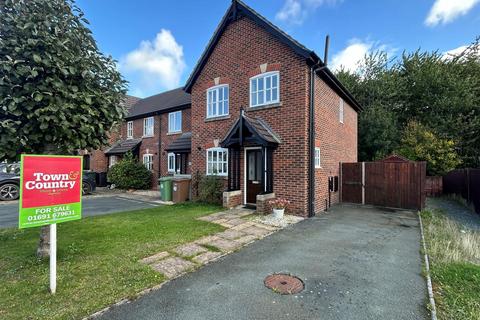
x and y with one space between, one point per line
278 213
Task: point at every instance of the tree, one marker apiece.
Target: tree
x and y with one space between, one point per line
58 92
421 144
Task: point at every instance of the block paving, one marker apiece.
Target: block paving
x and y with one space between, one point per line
241 230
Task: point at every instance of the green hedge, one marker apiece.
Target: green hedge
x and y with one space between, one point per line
130 174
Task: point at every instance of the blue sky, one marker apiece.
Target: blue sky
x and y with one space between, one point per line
158 43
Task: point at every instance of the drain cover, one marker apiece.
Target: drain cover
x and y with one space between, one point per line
284 283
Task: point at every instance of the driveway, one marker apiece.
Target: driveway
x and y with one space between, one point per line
356 263
91 206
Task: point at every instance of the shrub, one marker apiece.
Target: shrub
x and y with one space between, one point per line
130 174
210 189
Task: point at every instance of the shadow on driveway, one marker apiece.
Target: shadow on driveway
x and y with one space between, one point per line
356 262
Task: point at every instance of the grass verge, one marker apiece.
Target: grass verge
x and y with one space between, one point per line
97 260
454 265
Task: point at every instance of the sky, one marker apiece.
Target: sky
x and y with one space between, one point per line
158 43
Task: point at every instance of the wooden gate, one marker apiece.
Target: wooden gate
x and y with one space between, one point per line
387 183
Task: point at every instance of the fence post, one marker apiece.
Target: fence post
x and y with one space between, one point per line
363 182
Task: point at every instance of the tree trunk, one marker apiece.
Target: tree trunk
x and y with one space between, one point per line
43 249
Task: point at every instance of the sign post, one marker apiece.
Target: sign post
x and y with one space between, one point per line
51 193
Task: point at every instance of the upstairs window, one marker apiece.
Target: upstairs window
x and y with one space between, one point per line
217 161
340 111
175 122
217 101
264 89
129 129
318 164
148 161
148 127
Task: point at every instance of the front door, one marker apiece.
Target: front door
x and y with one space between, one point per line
254 175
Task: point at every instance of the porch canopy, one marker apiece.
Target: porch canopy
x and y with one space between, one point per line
250 132
181 147
123 147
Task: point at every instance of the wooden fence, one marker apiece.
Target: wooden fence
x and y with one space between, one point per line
433 186
464 182
397 184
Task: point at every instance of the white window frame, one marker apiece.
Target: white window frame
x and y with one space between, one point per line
219 161
264 76
112 160
341 110
171 125
130 130
148 127
148 161
318 158
215 104
171 162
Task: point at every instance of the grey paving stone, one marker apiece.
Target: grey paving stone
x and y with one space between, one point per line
206 257
189 249
230 234
224 244
155 257
246 239
256 231
172 267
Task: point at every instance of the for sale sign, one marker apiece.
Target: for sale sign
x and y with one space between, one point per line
51 190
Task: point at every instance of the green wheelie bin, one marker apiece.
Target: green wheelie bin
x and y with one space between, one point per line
165 184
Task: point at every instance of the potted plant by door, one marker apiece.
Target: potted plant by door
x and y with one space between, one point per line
278 206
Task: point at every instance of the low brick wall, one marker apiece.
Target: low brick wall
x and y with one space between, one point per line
231 199
262 203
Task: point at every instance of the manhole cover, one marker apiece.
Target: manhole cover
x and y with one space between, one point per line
284 283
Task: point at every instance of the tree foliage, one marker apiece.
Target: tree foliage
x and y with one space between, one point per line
421 144
440 92
57 90
128 173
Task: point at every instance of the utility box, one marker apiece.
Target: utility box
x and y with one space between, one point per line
165 186
181 189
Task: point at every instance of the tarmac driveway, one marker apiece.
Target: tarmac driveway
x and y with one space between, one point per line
356 263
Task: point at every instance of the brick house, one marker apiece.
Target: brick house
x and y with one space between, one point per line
269 117
157 131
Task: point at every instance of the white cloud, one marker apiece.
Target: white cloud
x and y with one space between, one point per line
445 11
296 11
350 57
157 64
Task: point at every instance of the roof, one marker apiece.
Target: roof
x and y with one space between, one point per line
129 101
159 103
123 146
238 9
259 131
182 143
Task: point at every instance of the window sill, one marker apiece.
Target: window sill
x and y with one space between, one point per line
147 136
173 133
265 106
218 176
217 118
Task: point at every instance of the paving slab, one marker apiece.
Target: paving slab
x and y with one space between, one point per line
207 239
256 231
189 250
246 239
172 267
224 244
206 257
155 257
230 234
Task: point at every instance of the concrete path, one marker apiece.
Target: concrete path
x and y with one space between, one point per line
356 263
91 206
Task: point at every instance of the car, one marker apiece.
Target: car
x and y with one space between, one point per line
10 182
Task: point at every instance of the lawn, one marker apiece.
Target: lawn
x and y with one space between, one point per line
97 260
455 266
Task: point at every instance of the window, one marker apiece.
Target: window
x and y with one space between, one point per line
129 129
148 127
148 161
317 158
217 161
217 101
175 122
340 111
112 160
171 162
264 89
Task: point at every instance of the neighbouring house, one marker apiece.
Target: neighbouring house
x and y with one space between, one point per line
267 116
95 160
157 130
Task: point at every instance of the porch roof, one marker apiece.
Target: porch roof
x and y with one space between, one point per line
249 129
123 146
181 144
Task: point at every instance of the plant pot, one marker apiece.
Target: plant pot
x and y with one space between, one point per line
278 213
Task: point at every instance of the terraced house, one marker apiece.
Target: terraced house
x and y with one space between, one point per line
269 116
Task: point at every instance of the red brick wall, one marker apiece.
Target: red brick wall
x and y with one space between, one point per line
337 141
238 55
